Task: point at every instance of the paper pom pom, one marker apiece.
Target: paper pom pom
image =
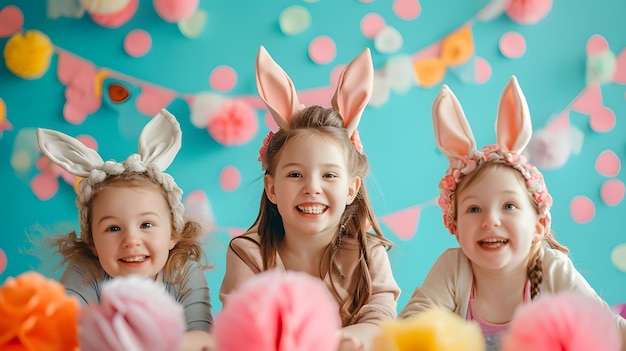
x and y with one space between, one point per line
103 7
37 315
116 19
436 329
132 312
175 10
565 321
28 55
279 311
528 11
549 148
235 123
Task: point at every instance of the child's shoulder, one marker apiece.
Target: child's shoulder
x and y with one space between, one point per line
246 241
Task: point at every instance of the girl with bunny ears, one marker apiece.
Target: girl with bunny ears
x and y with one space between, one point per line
497 205
131 223
315 213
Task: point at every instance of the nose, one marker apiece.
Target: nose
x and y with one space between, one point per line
312 186
131 239
490 219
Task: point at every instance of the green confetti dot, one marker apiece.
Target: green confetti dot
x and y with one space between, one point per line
618 257
294 19
20 161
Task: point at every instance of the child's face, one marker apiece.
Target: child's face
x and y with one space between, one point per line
497 222
311 186
132 231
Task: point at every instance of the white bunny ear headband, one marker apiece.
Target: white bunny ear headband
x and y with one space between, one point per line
455 140
353 91
159 143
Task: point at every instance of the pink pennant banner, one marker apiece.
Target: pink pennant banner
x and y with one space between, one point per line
403 223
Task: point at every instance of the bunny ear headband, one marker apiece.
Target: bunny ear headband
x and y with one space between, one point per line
455 140
159 143
354 89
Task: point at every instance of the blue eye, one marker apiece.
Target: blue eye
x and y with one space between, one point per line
294 175
147 225
510 207
113 228
330 175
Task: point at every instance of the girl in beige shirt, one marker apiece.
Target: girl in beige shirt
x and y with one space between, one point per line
315 213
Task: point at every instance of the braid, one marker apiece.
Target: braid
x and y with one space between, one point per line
535 271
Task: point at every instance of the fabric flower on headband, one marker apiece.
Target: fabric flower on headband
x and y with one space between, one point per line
513 131
263 149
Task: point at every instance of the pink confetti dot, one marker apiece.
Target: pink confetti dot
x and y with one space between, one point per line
223 78
137 43
612 192
582 209
407 9
602 120
512 45
372 24
608 164
483 70
597 45
322 50
3 261
230 178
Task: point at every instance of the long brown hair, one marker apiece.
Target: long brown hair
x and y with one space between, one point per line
535 256
79 248
355 222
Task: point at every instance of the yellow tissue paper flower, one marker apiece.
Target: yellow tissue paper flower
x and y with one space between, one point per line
28 55
434 330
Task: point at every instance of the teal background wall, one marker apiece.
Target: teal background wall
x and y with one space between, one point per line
397 134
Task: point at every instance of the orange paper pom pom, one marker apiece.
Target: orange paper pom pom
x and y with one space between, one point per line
37 315
28 55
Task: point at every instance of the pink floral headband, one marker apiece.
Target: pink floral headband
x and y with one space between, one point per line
353 91
513 131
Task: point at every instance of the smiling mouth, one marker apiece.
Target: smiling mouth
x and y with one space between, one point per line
135 259
317 209
493 243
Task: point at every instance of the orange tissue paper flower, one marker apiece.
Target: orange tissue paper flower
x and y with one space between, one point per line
37 315
437 329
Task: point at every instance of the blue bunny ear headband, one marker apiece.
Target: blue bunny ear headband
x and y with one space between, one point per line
513 131
159 142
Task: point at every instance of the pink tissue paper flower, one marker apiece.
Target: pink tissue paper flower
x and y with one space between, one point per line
567 321
279 311
134 313
234 124
528 11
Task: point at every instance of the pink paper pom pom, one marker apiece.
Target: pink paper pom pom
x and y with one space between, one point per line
234 124
528 11
134 314
175 10
279 311
565 321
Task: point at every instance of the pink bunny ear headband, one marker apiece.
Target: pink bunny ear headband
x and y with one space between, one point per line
159 143
354 89
513 131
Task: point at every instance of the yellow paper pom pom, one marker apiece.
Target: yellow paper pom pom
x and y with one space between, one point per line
434 330
28 55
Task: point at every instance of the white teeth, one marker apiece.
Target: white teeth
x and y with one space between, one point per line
312 209
134 259
493 242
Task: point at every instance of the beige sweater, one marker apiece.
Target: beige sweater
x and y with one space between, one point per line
449 282
243 261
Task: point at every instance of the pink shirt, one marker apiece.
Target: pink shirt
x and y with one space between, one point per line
492 329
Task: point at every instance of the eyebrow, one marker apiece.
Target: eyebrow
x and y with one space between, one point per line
148 213
325 165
